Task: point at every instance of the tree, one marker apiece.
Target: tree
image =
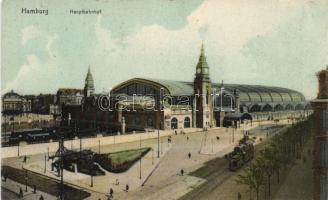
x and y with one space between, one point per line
268 165
253 177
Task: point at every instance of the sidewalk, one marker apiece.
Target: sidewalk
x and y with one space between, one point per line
166 181
29 195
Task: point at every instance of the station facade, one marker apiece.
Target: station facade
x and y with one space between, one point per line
141 103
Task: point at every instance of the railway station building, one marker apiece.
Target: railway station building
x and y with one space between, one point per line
143 103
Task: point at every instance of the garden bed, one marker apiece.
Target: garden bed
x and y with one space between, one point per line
120 161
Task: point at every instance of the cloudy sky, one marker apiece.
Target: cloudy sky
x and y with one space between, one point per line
267 42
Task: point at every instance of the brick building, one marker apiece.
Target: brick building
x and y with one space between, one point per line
320 145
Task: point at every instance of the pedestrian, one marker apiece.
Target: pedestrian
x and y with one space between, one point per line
116 182
127 188
41 197
34 189
20 192
187 138
189 155
111 192
24 159
181 171
239 196
4 177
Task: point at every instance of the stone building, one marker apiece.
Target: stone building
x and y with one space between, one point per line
169 104
13 103
41 104
320 145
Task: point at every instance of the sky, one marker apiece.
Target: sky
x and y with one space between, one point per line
262 42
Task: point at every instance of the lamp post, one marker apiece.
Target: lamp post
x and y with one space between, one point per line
26 180
157 143
152 156
212 144
93 167
80 144
99 146
18 149
48 152
45 163
161 146
140 158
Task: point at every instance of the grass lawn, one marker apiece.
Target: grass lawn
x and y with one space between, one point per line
121 161
129 155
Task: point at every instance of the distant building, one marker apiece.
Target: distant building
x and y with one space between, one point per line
69 96
89 87
320 145
13 103
40 104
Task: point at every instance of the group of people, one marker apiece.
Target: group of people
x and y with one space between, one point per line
111 191
21 193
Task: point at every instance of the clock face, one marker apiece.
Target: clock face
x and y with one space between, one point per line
205 70
198 70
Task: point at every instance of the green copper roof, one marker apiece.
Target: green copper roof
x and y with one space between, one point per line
202 69
89 80
247 93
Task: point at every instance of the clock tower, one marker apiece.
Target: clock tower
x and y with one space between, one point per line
203 93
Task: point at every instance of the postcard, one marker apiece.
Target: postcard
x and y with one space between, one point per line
170 99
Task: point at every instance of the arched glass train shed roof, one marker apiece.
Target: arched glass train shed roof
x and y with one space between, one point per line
247 93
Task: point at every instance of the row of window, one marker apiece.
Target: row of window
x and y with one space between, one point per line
324 154
324 120
174 123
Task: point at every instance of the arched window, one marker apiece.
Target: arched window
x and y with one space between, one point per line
255 108
267 108
289 107
299 107
174 123
278 107
187 122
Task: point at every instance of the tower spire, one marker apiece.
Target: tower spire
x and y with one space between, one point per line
89 84
203 86
202 69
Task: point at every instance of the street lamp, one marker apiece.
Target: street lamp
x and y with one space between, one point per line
161 145
93 169
45 163
140 157
26 180
98 146
158 143
152 156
